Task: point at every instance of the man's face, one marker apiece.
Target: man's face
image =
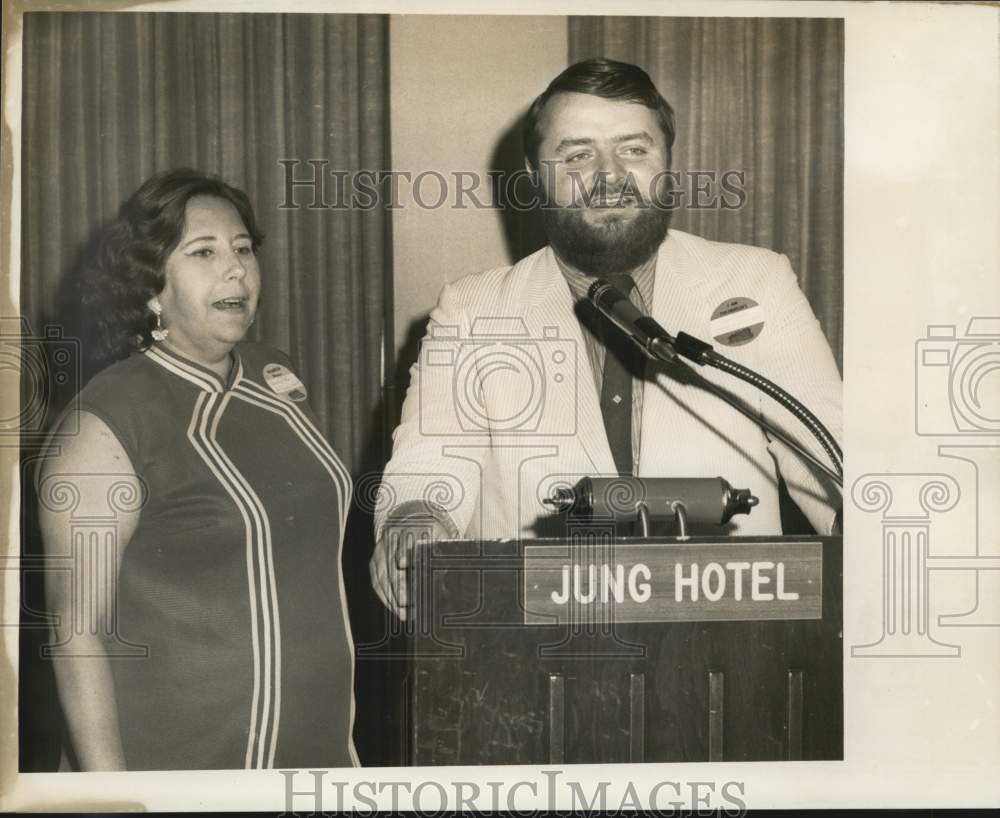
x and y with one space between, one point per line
603 166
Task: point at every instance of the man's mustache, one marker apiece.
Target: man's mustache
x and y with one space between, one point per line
601 197
603 192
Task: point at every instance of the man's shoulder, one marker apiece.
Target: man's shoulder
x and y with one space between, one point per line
498 285
720 253
719 263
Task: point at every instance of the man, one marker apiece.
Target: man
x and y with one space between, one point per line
522 387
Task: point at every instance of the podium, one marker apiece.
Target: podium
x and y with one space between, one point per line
632 650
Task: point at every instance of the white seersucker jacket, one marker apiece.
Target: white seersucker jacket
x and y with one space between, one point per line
502 404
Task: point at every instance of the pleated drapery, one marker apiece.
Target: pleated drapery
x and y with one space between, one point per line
111 98
763 96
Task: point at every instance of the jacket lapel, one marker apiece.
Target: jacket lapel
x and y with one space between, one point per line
677 301
548 313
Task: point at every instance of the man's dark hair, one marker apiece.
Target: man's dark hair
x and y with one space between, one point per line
602 78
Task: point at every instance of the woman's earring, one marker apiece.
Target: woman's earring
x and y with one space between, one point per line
159 333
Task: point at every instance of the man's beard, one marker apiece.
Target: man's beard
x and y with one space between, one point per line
615 246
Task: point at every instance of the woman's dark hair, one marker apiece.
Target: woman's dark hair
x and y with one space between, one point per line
601 78
128 267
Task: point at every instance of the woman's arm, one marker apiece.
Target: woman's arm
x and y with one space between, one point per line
82 465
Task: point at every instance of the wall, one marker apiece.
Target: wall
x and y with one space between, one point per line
459 86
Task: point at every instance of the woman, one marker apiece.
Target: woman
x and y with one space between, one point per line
229 645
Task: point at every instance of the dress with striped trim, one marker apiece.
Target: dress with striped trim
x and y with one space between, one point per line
233 577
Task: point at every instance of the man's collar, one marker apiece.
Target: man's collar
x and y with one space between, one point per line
679 265
579 283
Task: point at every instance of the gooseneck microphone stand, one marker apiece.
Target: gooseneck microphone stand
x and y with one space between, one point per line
658 344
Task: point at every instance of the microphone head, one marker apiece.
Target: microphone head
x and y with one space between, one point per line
615 305
599 283
604 294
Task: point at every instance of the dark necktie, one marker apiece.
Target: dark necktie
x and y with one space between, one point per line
616 390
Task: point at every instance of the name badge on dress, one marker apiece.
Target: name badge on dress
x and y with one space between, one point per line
284 382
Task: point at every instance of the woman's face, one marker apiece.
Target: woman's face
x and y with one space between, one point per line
212 282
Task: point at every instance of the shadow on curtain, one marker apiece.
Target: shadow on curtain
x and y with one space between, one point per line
111 98
759 95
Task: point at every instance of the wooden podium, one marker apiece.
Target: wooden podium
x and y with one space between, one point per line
552 652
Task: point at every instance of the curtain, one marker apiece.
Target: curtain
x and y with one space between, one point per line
111 98
759 95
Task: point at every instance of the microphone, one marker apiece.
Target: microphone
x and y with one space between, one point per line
705 499
654 340
659 344
614 305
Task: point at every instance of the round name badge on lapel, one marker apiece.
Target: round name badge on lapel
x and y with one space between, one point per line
737 321
284 382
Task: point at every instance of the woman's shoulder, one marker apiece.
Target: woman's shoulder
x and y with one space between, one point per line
257 357
123 380
119 399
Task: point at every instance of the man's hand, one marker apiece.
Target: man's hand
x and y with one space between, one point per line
838 523
394 553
